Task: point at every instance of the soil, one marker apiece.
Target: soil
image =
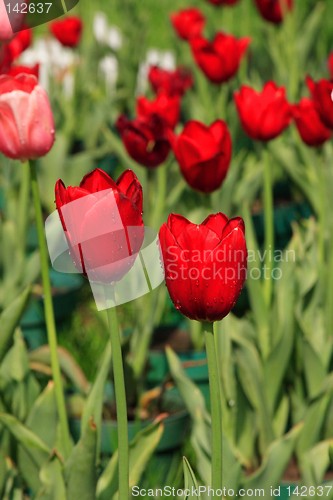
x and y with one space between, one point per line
292 474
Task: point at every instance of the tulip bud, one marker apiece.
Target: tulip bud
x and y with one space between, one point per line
203 154
310 127
205 264
264 115
188 23
26 120
219 59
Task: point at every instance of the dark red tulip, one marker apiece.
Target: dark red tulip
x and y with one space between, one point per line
145 140
173 83
165 106
205 264
223 2
274 10
219 59
67 31
102 221
188 23
322 96
203 154
330 65
264 115
310 127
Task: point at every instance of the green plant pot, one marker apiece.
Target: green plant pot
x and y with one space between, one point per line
66 288
175 430
194 364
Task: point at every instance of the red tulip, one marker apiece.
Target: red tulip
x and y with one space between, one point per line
146 140
26 120
165 106
330 65
204 154
171 82
27 70
310 127
223 2
264 115
188 23
102 220
271 9
67 31
205 265
5 59
9 24
219 59
322 96
20 43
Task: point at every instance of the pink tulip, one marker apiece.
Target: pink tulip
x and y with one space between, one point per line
26 119
8 27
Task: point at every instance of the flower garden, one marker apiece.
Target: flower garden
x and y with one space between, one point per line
166 252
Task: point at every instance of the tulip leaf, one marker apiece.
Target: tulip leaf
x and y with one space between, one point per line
43 421
80 468
140 451
313 422
9 320
190 481
70 368
315 372
275 461
315 462
52 480
94 403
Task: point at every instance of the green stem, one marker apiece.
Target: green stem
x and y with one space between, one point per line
120 393
160 196
215 404
23 211
49 313
269 227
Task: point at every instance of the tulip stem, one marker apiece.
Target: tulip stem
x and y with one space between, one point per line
216 407
269 227
49 312
120 393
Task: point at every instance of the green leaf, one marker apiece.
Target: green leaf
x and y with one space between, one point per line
315 463
37 450
189 479
53 485
140 451
43 421
275 462
94 404
9 320
313 422
315 372
195 404
80 468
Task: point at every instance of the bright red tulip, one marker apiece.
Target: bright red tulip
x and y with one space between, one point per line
146 140
188 23
322 96
223 2
205 265
26 120
165 106
8 27
173 83
102 220
20 43
203 154
330 65
219 59
67 31
310 127
271 9
27 70
264 115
